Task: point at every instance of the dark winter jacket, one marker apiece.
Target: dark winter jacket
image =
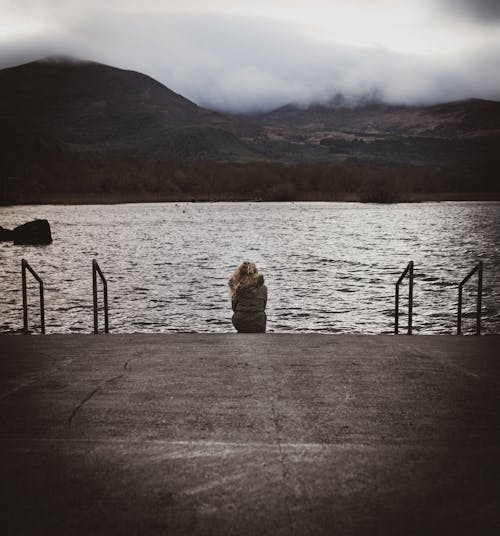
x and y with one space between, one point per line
249 306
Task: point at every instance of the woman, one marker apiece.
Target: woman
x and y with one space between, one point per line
248 299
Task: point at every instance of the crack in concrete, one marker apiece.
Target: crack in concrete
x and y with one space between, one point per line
125 365
89 396
86 399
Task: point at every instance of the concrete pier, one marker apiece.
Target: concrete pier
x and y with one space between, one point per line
249 434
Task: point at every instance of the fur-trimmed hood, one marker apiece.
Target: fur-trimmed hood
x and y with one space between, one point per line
251 284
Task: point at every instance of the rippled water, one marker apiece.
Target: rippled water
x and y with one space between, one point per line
329 267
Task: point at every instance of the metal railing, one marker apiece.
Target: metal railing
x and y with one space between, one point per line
408 270
96 270
25 266
479 269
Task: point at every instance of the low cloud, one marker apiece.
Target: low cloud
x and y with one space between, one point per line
484 11
243 64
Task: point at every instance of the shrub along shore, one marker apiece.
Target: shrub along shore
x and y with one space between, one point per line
121 198
120 181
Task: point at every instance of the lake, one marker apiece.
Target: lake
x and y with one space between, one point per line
329 267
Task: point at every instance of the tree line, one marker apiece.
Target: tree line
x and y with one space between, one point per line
72 175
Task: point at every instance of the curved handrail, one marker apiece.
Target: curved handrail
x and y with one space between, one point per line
25 266
97 270
478 268
407 270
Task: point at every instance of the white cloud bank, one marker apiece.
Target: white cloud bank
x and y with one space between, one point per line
241 56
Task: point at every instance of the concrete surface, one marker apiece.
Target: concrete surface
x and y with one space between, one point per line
249 434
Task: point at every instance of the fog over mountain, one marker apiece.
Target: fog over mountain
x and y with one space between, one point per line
236 57
80 128
487 11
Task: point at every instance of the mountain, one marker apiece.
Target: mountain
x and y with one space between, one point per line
460 118
87 106
454 133
71 127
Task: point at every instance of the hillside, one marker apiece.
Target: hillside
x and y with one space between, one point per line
87 106
78 128
460 118
452 134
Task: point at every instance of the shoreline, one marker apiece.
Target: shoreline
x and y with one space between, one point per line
115 199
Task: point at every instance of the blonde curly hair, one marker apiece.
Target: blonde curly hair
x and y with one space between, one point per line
246 275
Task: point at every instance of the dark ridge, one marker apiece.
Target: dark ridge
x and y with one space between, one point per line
89 106
73 126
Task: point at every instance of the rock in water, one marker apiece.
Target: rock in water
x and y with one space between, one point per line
6 235
35 232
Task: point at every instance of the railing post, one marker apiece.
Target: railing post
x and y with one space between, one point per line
479 269
459 311
479 298
25 298
42 308
95 271
25 266
410 300
396 311
94 291
408 269
106 313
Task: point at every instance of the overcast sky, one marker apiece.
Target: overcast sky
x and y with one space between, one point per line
259 54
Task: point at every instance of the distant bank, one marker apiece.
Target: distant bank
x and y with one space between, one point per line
110 199
79 132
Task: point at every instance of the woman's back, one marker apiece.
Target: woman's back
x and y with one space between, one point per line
248 299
